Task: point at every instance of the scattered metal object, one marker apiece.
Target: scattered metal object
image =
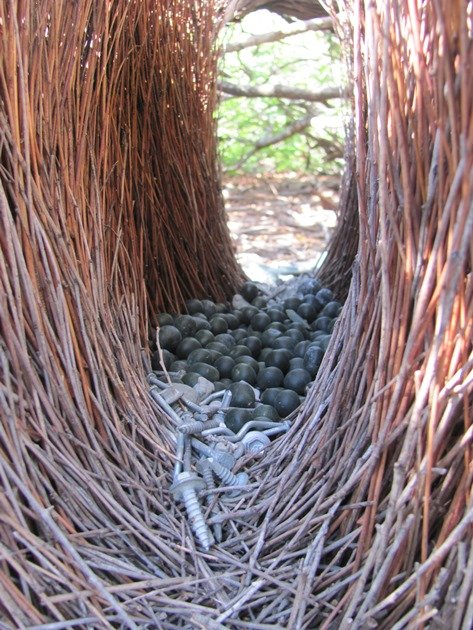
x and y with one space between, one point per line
269 427
228 478
255 441
223 458
191 405
154 380
200 411
220 430
203 388
204 468
187 458
211 409
279 427
178 374
201 416
294 317
211 397
171 395
166 407
238 450
258 424
198 426
180 447
186 487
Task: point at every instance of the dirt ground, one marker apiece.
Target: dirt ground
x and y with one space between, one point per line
280 222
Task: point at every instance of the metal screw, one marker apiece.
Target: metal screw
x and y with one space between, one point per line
239 450
185 488
159 400
203 388
235 448
203 467
214 396
178 374
180 447
154 380
255 441
205 470
295 317
211 409
220 430
191 405
227 460
237 437
226 400
201 416
228 478
259 424
280 427
187 455
198 427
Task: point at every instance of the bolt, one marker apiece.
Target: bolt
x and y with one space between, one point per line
295 317
205 470
212 408
220 430
191 405
235 448
228 478
187 456
154 380
186 488
178 374
203 388
280 427
198 427
239 451
255 441
186 417
218 415
214 396
180 448
159 400
226 400
225 459
171 395
259 424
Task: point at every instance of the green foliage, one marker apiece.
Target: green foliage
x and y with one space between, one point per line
311 61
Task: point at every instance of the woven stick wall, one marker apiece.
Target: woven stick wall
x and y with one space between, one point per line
362 514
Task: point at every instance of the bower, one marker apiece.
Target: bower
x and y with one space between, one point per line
111 210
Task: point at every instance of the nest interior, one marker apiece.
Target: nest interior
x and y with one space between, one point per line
110 211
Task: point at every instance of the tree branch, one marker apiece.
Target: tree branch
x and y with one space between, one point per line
292 129
301 9
317 24
281 91
295 127
266 141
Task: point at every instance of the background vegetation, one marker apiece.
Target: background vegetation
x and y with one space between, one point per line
261 134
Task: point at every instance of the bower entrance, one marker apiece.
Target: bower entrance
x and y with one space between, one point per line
361 514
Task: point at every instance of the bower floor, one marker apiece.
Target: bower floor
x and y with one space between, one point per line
280 224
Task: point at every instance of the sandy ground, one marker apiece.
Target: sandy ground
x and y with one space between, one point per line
280 223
